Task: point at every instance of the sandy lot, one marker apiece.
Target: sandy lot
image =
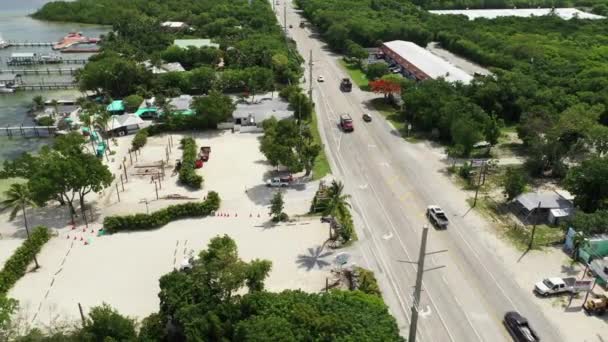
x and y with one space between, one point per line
123 269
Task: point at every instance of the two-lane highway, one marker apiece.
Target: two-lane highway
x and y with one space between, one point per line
466 290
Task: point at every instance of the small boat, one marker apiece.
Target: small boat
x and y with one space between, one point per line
3 43
6 88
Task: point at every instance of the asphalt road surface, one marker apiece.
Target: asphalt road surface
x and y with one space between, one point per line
466 290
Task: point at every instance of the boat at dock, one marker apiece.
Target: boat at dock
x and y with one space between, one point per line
3 43
73 39
30 58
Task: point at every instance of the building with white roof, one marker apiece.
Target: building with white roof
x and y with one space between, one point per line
564 13
174 25
420 64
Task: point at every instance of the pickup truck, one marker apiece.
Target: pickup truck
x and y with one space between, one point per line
556 285
437 216
280 182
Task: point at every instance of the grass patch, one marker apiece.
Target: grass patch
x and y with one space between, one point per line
6 183
518 235
356 74
321 167
544 236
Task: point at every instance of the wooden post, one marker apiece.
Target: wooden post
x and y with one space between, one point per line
326 285
121 183
160 186
81 315
125 170
130 157
156 189
117 192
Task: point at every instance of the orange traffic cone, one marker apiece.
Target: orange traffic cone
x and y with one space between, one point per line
86 243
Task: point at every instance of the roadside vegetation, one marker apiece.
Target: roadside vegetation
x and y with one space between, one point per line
223 298
561 125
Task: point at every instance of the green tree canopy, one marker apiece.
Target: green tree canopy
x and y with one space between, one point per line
588 183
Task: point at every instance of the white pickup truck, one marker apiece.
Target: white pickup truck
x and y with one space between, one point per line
556 285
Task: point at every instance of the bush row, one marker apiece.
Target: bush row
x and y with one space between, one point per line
140 139
16 265
113 224
187 174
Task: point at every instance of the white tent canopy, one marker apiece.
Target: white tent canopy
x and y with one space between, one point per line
125 120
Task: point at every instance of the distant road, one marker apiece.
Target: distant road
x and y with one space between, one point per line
391 183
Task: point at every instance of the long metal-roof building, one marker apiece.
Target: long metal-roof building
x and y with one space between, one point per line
422 64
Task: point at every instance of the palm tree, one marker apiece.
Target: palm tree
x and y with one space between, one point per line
55 105
101 120
38 102
579 240
337 202
87 120
18 197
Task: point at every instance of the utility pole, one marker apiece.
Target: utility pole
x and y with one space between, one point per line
533 229
418 288
481 171
310 77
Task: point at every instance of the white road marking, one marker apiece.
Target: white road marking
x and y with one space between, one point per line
371 145
385 164
388 236
363 186
426 312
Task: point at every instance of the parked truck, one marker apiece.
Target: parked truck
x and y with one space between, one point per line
346 85
556 285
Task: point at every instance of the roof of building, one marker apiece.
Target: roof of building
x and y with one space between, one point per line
547 200
564 13
427 62
264 108
198 43
174 24
182 102
116 106
172 67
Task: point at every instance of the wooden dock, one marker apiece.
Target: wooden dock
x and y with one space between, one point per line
29 44
29 131
47 71
41 62
46 86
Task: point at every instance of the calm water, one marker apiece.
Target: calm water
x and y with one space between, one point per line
15 25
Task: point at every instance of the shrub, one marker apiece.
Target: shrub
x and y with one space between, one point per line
46 121
140 139
347 227
16 265
113 224
367 281
187 174
132 102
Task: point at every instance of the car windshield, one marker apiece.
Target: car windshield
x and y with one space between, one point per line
548 283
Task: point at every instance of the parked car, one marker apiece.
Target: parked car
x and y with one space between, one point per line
320 78
556 285
367 117
519 328
437 217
